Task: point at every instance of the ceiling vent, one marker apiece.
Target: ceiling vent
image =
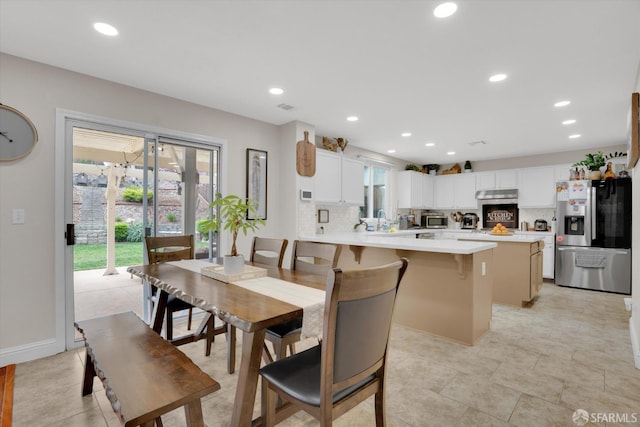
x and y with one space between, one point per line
286 107
473 143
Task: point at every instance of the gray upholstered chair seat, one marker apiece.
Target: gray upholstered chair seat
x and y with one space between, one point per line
299 377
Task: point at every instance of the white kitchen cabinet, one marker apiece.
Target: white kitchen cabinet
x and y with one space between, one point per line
409 189
506 178
427 191
415 190
490 180
338 179
562 172
352 181
485 180
536 187
456 191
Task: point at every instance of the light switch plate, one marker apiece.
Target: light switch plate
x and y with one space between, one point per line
18 216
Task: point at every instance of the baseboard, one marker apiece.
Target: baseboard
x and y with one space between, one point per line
29 352
635 342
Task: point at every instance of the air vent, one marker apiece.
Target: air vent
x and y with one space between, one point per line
285 106
472 143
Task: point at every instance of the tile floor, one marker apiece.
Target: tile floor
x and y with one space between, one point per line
570 350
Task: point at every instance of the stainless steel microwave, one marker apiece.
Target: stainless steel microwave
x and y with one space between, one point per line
435 220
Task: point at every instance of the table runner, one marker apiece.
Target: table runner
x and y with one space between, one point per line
311 300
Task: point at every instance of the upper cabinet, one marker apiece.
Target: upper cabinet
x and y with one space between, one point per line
457 191
338 179
506 178
537 188
490 180
415 190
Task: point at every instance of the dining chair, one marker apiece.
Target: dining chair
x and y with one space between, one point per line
176 248
268 251
308 257
349 365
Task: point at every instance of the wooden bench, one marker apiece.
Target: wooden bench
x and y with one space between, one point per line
144 376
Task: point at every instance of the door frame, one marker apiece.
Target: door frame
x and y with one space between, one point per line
63 175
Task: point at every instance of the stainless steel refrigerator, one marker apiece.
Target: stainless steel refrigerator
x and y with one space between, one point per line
593 239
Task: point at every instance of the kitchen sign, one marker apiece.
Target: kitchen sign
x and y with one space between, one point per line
505 214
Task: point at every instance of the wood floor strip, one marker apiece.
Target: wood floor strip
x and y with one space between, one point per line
7 374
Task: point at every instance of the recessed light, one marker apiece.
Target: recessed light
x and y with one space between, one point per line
574 136
497 77
106 29
276 91
430 144
406 134
352 118
450 153
391 151
444 10
562 103
569 122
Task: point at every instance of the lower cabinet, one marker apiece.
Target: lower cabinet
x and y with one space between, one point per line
517 271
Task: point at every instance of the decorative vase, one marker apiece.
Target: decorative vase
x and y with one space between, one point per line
432 171
233 264
594 175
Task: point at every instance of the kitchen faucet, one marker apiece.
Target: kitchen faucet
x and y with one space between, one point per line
381 214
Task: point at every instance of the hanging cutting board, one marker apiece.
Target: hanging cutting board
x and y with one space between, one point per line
306 156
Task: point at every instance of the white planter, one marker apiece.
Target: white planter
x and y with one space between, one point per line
233 264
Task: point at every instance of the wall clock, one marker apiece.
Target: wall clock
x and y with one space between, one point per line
18 135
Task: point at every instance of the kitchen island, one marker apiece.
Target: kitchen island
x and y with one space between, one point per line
517 275
447 289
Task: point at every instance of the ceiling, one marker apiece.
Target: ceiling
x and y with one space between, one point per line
391 63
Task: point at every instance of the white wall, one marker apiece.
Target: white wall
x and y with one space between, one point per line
27 288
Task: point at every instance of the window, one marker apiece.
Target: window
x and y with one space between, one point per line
376 204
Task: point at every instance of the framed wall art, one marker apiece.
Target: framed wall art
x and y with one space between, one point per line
633 126
257 181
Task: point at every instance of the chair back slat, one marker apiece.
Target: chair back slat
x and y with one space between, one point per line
314 258
169 248
268 251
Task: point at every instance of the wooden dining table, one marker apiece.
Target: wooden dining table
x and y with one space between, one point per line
248 311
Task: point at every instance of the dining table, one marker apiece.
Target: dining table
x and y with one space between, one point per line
250 311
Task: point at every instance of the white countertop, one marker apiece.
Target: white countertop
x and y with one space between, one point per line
383 240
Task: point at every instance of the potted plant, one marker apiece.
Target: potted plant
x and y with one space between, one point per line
432 168
593 162
412 167
467 166
230 213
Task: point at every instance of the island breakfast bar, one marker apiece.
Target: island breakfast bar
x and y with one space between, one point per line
447 288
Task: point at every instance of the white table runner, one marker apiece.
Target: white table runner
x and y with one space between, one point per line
311 300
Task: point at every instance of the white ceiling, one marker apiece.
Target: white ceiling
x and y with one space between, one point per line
391 63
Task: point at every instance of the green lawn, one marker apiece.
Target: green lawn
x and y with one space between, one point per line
89 257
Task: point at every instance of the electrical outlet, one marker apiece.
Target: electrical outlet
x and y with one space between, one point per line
484 268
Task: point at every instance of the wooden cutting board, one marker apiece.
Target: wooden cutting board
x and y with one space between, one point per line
306 156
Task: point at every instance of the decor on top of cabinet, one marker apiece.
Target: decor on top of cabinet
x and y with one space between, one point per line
431 169
467 166
332 144
593 162
306 156
452 170
412 167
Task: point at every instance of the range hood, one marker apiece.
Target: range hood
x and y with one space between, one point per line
498 194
